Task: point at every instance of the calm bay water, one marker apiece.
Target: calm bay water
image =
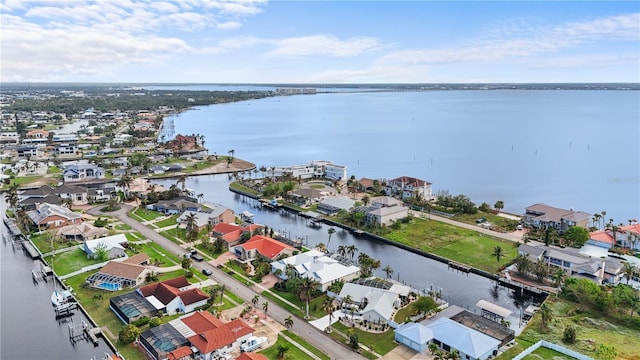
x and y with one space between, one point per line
570 149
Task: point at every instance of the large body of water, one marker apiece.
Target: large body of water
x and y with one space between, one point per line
569 149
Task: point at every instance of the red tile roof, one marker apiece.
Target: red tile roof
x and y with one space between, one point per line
179 353
603 237
251 356
267 247
168 290
635 228
222 336
232 236
202 321
407 180
224 228
251 227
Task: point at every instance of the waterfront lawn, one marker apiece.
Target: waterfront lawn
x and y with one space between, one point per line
381 343
70 261
592 329
171 220
495 220
236 185
461 245
292 354
41 241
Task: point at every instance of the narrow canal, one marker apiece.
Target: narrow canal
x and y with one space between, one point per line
28 326
461 289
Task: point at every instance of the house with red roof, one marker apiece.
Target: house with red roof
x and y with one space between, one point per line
262 246
251 356
407 187
199 335
174 296
232 233
625 235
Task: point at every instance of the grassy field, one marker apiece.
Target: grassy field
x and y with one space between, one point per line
546 353
381 343
158 252
24 180
41 241
166 222
292 354
70 261
455 243
306 345
144 214
495 220
592 328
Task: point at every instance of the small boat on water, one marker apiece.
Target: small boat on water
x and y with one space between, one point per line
59 297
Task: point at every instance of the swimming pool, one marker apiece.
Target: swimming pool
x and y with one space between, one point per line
109 286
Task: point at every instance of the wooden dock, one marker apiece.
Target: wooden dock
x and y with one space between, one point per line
30 249
460 267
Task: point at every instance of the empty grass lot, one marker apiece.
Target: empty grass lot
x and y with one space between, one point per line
70 261
171 220
145 215
455 243
292 354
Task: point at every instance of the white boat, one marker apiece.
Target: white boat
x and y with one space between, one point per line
59 297
253 343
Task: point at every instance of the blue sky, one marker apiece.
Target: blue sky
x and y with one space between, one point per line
255 41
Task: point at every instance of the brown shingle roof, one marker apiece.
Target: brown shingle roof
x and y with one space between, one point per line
137 259
122 269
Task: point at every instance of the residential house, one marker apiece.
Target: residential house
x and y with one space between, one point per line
627 236
316 168
113 245
262 246
407 187
371 304
542 216
366 184
121 274
251 356
331 205
574 263
81 172
318 266
201 219
64 149
79 195
306 197
27 151
49 216
40 192
33 203
174 296
386 215
220 214
81 232
232 233
176 206
448 335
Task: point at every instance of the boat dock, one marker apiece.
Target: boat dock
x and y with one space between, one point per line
82 331
30 249
461 267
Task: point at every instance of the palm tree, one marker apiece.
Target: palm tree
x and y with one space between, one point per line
546 315
433 348
388 270
558 275
181 180
348 300
541 270
602 215
305 288
190 221
255 300
366 200
67 202
124 184
321 247
499 205
328 306
352 250
628 270
12 195
201 197
523 264
231 153
265 308
342 250
453 355
497 252
331 231
282 350
288 322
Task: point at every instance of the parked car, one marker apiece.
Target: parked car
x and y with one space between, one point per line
207 272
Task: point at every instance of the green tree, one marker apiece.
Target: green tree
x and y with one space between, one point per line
366 199
628 270
101 252
265 308
255 300
353 341
606 352
424 305
282 350
186 263
558 275
569 334
523 264
128 334
331 231
546 315
540 269
499 205
155 321
288 322
432 348
342 250
352 250
305 288
328 307
577 236
497 252
388 271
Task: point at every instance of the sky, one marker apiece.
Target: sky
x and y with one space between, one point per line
259 41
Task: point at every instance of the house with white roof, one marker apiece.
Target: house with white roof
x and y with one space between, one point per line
80 172
316 265
112 244
331 205
373 304
407 187
448 335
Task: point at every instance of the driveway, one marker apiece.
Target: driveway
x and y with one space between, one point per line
300 327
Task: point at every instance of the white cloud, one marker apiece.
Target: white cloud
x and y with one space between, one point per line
326 45
588 61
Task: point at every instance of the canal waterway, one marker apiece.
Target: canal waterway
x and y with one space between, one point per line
458 288
28 326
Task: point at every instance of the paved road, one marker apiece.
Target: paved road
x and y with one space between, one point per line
300 327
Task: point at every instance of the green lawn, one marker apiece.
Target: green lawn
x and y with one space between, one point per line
306 345
403 314
236 185
593 329
381 343
171 220
43 244
497 221
156 251
207 251
70 261
54 170
145 215
24 180
123 227
292 354
175 235
546 353
455 243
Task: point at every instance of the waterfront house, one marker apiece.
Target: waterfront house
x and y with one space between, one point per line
81 172
50 216
306 197
27 151
33 203
385 215
220 214
121 274
264 247
40 192
600 270
448 335
627 236
407 187
113 245
542 216
66 149
232 233
331 205
174 296
315 169
201 219
371 304
318 266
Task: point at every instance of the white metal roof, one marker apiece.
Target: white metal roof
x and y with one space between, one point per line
496 309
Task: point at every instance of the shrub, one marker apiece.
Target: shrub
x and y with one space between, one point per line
569 335
129 333
155 321
141 322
